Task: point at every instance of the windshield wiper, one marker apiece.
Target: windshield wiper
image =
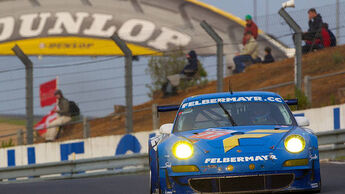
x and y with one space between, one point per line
232 121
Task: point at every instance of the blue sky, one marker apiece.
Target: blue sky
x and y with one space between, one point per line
242 7
275 25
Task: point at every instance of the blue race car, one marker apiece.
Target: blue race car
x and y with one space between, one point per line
234 142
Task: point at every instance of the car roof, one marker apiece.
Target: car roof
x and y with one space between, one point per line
228 94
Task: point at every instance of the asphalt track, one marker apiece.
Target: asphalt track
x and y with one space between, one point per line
333 181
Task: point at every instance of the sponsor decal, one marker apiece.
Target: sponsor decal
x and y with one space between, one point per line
232 142
210 135
155 141
314 185
66 45
240 159
94 29
208 167
232 100
313 157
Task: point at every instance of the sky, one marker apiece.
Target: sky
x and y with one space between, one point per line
97 87
241 8
269 21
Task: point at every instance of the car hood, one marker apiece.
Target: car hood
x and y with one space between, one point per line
237 139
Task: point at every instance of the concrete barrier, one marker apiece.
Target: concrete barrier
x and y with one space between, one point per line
74 149
325 118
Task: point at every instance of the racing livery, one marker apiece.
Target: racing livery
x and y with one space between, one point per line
234 142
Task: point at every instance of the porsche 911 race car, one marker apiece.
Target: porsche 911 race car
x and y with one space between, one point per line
234 142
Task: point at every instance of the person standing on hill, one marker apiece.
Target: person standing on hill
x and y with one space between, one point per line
250 27
63 117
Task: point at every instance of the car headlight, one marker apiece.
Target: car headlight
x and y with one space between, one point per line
182 150
294 143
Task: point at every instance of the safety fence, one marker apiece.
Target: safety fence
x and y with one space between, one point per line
307 83
332 14
19 134
331 146
86 128
96 95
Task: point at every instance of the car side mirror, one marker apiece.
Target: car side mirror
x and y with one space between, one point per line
302 121
166 128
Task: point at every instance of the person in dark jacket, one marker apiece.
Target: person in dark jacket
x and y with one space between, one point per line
192 67
63 116
315 25
169 88
268 56
313 37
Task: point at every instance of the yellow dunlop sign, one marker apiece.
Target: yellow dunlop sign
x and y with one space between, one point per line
72 46
73 27
85 33
231 142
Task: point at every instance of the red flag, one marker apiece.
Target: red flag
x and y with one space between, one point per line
41 126
47 93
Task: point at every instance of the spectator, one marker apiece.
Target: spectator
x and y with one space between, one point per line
268 56
170 86
248 55
314 34
315 25
192 67
326 39
331 35
250 27
324 42
64 116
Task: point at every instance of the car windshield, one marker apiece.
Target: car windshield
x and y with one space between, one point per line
233 114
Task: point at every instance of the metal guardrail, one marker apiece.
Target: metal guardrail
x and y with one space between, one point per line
327 75
276 86
331 146
94 167
307 83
